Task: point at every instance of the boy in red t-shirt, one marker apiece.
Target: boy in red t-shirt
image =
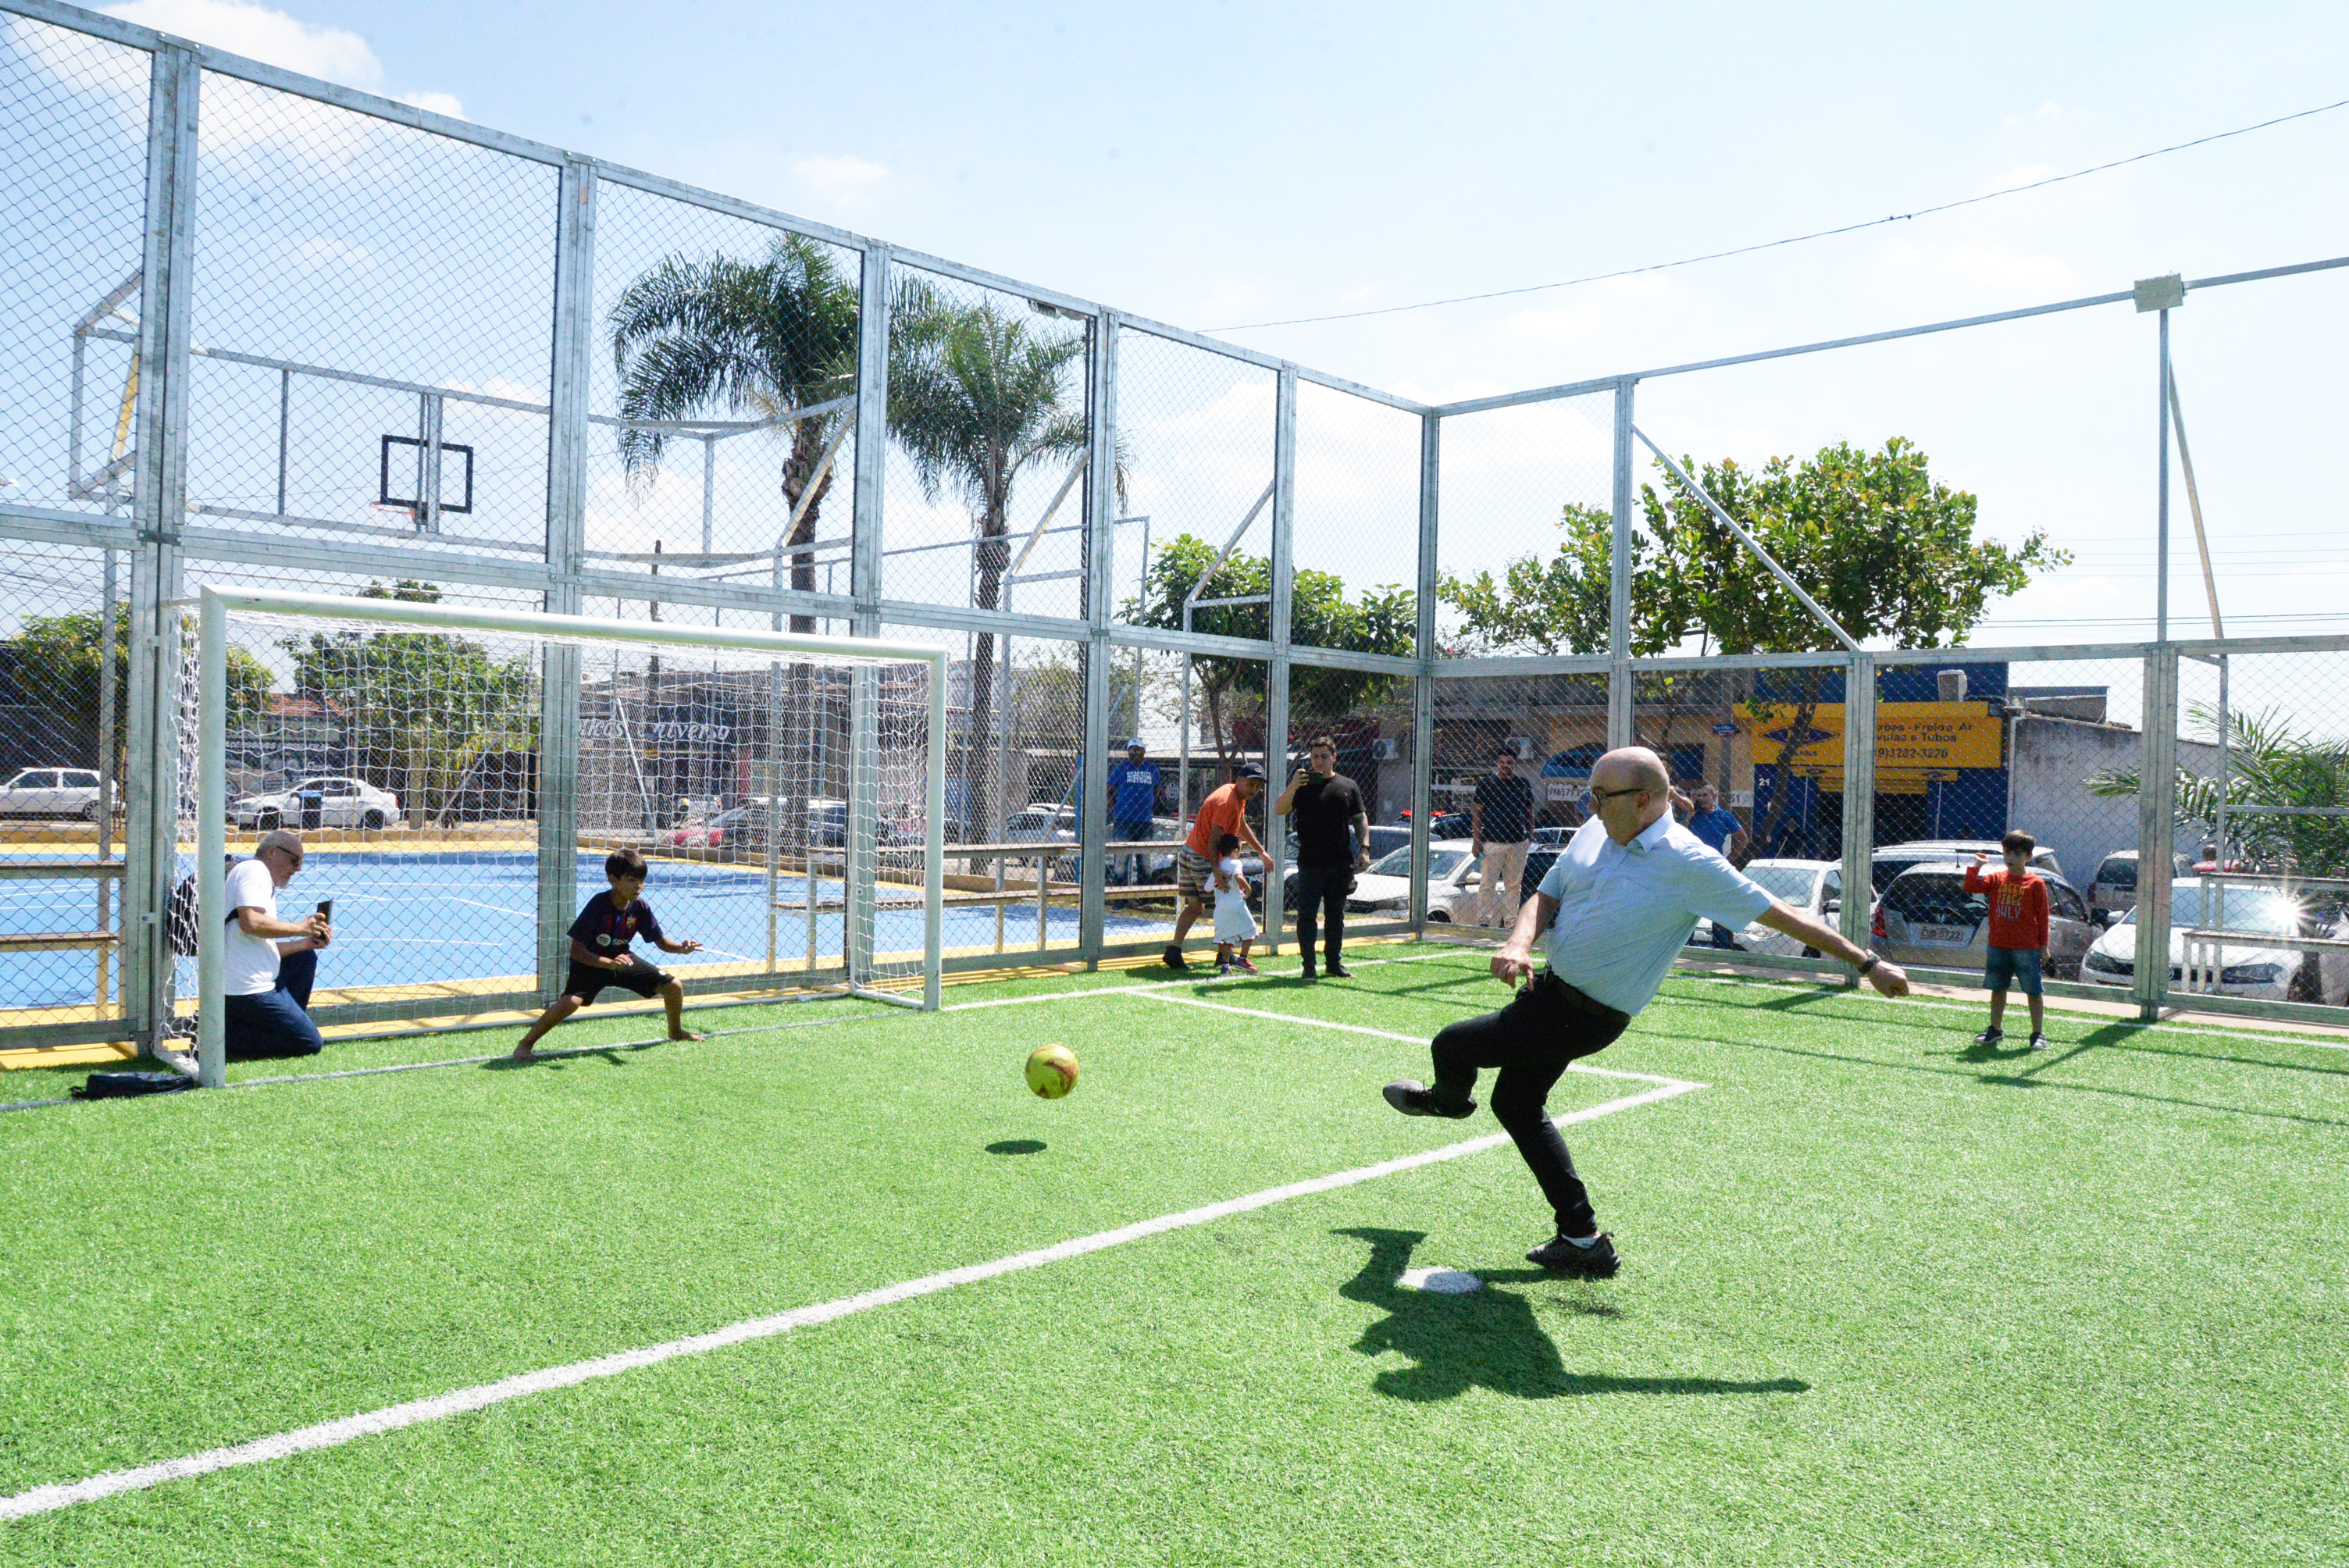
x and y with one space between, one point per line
2018 934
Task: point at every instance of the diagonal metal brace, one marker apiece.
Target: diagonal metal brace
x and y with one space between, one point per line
1817 612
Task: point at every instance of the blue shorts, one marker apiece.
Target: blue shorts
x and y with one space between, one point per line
2015 966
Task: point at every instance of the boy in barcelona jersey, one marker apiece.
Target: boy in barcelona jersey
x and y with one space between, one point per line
601 955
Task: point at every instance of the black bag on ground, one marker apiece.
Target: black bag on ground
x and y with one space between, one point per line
118 1085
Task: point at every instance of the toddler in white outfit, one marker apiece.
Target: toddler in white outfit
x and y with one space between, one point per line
1234 926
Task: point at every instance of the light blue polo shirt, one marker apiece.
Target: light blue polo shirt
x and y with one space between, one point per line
1625 911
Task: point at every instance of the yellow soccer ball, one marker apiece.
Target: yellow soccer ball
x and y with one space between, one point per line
1051 1070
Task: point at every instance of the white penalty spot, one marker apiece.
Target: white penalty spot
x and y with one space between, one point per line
1443 1282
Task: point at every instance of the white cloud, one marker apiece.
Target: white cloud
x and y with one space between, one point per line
1998 267
434 103
318 251
2029 174
847 180
1561 323
1988 266
277 39
1587 312
270 36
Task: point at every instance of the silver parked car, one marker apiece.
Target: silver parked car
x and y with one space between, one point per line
337 802
2269 970
53 792
1814 887
1927 917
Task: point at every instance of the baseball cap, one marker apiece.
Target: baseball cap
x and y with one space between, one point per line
1134 745
1250 771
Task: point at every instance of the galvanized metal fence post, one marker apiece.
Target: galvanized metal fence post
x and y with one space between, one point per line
212 847
1100 583
1277 675
860 901
151 846
2156 832
871 437
1859 797
1423 706
566 545
1621 693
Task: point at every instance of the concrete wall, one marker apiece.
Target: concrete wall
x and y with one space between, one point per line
2053 760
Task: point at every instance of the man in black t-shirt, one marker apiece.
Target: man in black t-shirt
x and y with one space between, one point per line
601 956
1333 842
1501 821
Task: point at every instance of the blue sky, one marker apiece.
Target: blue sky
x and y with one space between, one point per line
1217 164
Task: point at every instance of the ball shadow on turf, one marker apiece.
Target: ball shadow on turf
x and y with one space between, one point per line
1017 1146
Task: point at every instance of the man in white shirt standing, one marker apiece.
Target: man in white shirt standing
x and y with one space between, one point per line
1619 904
265 1015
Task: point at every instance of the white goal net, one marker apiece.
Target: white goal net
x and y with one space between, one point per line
459 778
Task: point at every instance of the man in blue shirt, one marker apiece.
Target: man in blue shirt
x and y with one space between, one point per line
1133 802
1723 834
1718 827
1622 900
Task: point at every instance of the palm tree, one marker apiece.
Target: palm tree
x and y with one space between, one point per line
758 337
2269 763
979 397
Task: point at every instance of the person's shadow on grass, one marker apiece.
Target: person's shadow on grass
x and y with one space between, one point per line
1487 1338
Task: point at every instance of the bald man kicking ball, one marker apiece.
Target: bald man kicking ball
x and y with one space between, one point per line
1618 906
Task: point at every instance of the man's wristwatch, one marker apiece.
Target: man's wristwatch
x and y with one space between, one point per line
1868 963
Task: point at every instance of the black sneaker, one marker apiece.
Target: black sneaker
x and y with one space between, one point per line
2038 1042
1337 971
1173 958
1990 1037
1307 974
1412 1098
1596 1260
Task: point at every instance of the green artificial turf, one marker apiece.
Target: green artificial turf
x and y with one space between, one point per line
1887 1299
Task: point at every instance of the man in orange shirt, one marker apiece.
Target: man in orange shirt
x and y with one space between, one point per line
2018 934
1225 810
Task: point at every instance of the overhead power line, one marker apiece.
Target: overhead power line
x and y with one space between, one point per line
1794 239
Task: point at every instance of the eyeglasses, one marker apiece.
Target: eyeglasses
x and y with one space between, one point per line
291 858
1600 797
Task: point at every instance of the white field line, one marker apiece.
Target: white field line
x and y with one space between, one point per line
415 1412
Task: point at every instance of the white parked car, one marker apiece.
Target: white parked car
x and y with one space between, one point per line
52 792
2270 971
341 803
1814 887
1927 917
2115 890
1890 860
1452 879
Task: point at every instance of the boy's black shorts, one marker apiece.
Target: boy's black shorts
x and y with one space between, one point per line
640 976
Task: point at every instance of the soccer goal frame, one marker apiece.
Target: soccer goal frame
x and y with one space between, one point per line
859 873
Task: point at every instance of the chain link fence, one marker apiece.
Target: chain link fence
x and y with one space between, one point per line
73 181
722 441
266 333
371 318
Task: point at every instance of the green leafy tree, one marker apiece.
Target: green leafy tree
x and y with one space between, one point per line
981 397
2269 763
757 337
59 663
1381 620
418 706
1887 550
